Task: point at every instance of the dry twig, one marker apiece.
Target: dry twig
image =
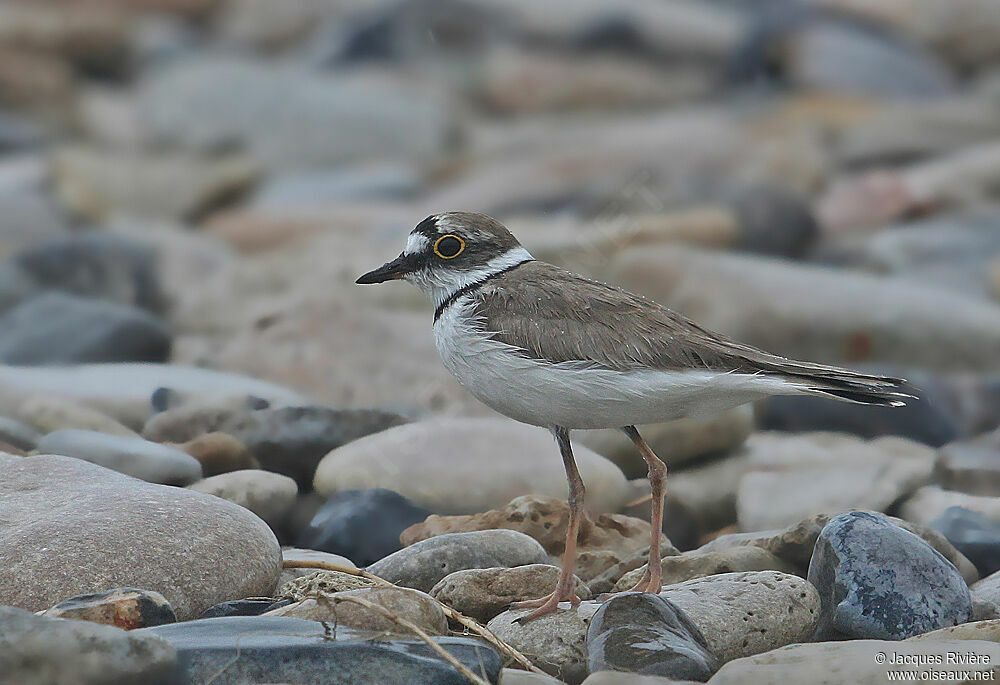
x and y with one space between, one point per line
479 629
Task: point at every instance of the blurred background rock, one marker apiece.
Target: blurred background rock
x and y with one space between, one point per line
188 189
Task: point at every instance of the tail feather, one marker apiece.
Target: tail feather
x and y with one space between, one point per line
847 385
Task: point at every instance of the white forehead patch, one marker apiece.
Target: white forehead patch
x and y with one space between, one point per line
416 244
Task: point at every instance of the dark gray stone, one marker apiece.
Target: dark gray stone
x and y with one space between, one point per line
423 564
35 650
136 457
278 649
774 221
879 581
649 635
243 607
974 535
928 419
362 525
58 328
97 265
286 440
815 51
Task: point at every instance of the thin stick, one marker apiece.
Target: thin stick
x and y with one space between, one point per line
328 566
487 634
413 627
476 627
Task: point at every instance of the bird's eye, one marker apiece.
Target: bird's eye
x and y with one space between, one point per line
448 246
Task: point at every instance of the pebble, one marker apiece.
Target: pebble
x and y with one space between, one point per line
363 525
974 535
218 453
512 676
621 678
411 605
127 382
286 440
298 517
519 82
482 593
279 649
696 564
782 302
971 466
17 434
795 543
930 502
104 530
296 554
96 182
601 543
925 420
986 594
312 188
746 613
422 564
648 635
127 608
465 465
243 607
269 495
47 413
96 265
974 630
58 328
708 490
555 643
136 457
675 442
852 661
793 476
37 650
912 589
282 114
830 55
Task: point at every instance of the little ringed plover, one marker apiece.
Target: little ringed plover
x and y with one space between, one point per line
550 348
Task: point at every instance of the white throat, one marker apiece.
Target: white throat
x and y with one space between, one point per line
442 282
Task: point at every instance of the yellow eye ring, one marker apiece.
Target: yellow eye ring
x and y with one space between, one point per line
442 255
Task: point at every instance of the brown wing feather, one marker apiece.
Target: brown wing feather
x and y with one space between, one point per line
556 315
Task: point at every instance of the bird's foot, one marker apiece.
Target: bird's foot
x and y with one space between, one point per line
648 583
544 605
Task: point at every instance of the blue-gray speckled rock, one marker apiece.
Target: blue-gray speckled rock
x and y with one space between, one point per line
877 580
649 635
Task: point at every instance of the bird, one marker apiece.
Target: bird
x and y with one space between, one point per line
551 348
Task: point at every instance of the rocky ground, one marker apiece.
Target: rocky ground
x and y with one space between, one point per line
198 406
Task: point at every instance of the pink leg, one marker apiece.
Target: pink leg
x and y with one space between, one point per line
565 591
651 579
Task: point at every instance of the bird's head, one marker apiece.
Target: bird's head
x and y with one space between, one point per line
446 252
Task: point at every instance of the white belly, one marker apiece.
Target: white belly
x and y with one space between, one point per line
571 395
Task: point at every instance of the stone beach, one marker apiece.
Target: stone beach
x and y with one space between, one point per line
221 461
